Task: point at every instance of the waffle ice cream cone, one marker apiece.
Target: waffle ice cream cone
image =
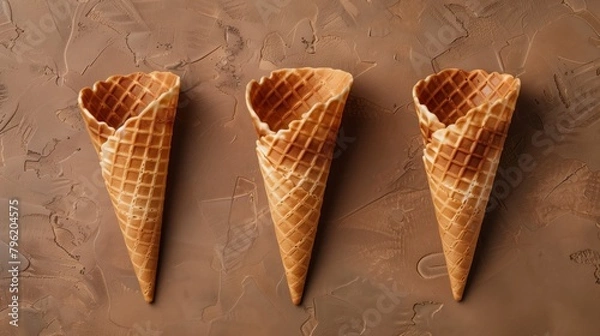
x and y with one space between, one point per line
464 118
297 114
130 122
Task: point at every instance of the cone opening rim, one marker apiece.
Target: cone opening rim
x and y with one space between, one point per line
436 137
419 87
423 110
168 94
263 128
123 124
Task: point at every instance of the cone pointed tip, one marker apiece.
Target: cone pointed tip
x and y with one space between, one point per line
149 298
296 298
296 295
147 291
458 294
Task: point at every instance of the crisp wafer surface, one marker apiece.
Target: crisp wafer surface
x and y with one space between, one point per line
464 118
130 121
302 110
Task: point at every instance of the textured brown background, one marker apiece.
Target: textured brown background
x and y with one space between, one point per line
377 267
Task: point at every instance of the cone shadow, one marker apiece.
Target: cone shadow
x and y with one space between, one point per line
337 177
518 140
181 147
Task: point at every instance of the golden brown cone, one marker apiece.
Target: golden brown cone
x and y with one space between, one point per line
464 118
130 122
297 114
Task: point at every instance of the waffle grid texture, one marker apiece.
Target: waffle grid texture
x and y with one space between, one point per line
464 118
297 114
130 121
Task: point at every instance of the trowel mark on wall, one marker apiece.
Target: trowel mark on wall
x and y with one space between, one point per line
273 49
592 190
48 161
234 40
70 115
197 37
236 9
365 109
5 12
588 257
357 17
5 119
304 34
421 321
75 213
514 55
122 17
270 8
243 229
208 8
119 15
386 309
25 131
230 65
350 8
366 308
145 328
562 91
566 185
483 8
3 94
589 205
581 85
579 7
310 325
575 5
242 315
432 266
2 156
381 228
74 221
451 27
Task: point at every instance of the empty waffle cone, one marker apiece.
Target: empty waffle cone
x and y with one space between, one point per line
297 114
464 118
130 122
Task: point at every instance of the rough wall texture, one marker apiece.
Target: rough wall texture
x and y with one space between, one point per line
377 267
